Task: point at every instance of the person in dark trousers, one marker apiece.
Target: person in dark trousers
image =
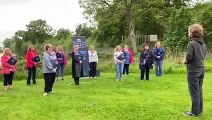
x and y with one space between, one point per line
146 62
93 60
49 68
127 60
30 64
7 69
76 64
195 68
159 54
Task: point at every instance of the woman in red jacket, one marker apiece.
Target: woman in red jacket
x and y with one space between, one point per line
30 64
7 69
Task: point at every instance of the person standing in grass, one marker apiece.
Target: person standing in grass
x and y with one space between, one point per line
146 62
49 68
119 62
93 60
76 64
159 54
61 58
127 60
195 68
30 64
7 69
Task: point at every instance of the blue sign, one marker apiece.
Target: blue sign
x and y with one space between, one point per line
83 49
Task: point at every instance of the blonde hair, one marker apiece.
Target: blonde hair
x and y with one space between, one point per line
30 47
91 47
59 48
157 43
7 49
47 46
195 31
117 47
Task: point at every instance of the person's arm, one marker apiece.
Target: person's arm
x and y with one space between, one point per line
74 58
97 59
65 58
115 57
47 61
163 53
190 53
29 58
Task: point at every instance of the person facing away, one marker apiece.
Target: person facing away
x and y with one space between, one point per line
76 64
93 60
146 62
49 68
195 68
7 69
119 62
159 54
30 64
62 61
127 60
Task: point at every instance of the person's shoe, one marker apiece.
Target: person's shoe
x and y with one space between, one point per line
121 80
188 114
117 80
62 78
45 94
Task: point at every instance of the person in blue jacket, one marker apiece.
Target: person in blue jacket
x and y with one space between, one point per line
159 54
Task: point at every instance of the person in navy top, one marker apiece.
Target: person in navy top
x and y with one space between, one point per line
127 60
146 62
159 54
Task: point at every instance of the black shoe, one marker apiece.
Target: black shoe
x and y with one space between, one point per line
28 84
62 78
188 114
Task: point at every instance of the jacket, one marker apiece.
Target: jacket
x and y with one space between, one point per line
48 66
5 66
28 57
146 59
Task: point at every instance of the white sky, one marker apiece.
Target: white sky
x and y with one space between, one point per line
15 14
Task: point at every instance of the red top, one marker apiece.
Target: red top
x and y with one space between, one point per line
131 56
28 57
6 67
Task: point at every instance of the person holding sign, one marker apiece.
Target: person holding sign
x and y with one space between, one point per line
32 59
76 64
119 62
93 60
8 68
61 58
49 68
146 62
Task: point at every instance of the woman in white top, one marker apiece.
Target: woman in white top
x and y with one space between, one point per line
119 62
93 60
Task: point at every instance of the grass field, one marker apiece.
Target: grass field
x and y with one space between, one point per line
105 99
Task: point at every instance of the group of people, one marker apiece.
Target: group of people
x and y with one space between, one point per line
124 57
53 62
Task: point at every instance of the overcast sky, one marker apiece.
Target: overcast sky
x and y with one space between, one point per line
15 14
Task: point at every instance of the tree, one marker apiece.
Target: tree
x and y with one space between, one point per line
63 33
83 30
8 42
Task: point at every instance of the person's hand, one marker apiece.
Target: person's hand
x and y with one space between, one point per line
80 62
11 66
35 63
59 58
158 57
185 62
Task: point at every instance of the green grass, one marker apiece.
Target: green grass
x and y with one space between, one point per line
105 99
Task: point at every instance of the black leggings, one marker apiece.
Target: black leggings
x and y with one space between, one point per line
76 80
145 69
126 69
92 66
49 81
8 78
31 75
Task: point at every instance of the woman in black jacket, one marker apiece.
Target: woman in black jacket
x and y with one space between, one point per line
76 64
146 62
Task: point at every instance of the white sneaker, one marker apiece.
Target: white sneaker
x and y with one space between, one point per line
45 94
117 80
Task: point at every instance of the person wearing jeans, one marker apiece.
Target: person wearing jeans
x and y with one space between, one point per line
93 60
30 64
7 69
61 58
119 62
159 54
195 68
49 68
127 60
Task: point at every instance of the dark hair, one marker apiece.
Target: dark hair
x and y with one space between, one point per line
47 47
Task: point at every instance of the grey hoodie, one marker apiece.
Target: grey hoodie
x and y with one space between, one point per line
48 67
196 55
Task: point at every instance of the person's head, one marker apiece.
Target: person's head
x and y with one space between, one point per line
195 31
76 48
7 52
146 47
48 48
59 48
31 48
91 48
126 47
118 48
158 44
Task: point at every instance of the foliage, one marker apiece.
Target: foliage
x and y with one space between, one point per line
63 34
176 37
83 30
